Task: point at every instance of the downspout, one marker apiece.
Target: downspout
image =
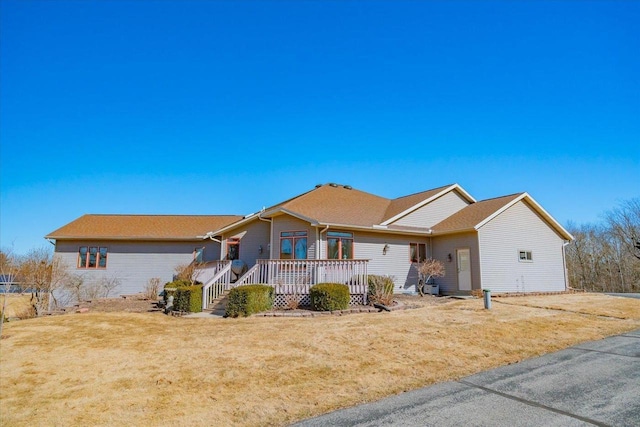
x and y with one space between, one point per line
564 265
318 242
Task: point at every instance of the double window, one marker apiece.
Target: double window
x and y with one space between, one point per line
339 245
293 245
417 252
525 256
92 257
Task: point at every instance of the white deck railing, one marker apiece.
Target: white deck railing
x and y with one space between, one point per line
216 283
297 276
204 272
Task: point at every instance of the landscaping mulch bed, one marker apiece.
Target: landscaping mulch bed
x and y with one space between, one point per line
128 304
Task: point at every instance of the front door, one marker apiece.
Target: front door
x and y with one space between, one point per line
464 269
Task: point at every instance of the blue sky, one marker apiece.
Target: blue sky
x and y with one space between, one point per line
214 107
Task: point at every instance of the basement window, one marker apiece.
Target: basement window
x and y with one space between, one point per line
525 256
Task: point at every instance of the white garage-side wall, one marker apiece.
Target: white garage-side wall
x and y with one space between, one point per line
445 245
134 263
434 211
253 236
520 228
395 263
289 223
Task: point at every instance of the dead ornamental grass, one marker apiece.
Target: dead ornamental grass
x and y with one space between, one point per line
144 369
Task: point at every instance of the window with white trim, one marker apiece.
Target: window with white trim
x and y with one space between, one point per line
525 256
92 257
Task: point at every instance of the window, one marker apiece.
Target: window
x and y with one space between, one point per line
233 248
339 245
92 257
417 252
293 245
198 255
525 256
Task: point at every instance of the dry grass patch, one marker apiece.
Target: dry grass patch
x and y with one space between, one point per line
144 369
586 303
18 305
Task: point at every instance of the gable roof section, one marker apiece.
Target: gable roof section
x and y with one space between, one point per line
405 205
329 204
474 216
142 227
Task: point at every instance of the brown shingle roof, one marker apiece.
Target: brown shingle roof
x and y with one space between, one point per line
339 205
472 215
141 227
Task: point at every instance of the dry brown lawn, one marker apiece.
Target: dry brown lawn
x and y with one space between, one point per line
150 369
18 305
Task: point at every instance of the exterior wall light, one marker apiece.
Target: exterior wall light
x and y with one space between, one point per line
385 249
449 257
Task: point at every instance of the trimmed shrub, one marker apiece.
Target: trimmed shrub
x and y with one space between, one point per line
329 296
188 298
171 287
249 299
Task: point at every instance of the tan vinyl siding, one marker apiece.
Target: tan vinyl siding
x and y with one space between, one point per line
134 263
435 211
252 236
289 223
521 228
445 245
395 263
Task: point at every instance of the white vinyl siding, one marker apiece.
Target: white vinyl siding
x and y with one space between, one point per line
134 263
435 211
520 228
289 223
252 236
445 245
395 263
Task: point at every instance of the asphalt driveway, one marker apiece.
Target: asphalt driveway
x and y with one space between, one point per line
595 383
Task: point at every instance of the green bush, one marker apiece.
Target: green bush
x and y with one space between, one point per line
249 299
171 287
188 298
329 296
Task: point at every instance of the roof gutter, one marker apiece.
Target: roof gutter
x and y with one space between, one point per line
210 235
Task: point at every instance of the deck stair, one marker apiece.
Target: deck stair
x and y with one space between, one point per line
219 305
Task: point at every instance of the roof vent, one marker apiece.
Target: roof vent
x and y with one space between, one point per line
333 184
348 187
318 185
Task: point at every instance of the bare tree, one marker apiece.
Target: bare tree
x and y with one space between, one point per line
188 272
43 273
605 257
427 269
624 222
8 273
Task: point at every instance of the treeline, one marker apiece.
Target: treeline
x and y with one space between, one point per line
605 257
